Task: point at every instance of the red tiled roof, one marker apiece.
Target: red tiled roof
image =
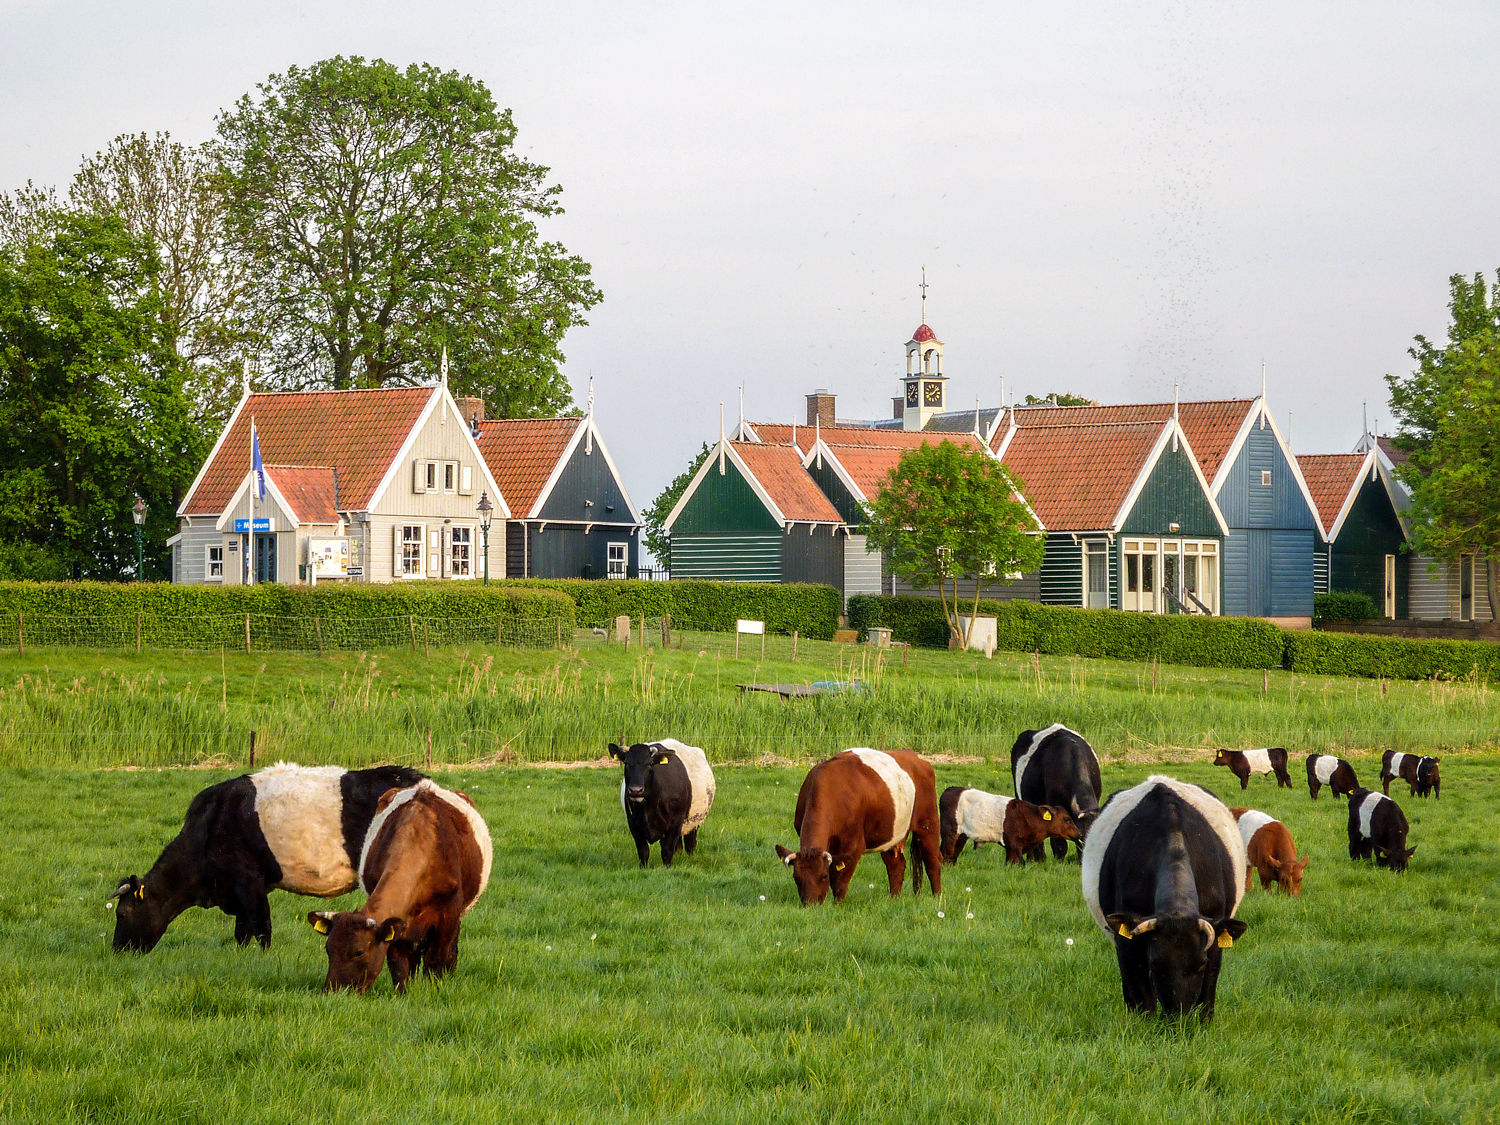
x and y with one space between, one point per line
1330 477
308 489
521 454
779 470
1076 478
923 334
1388 447
779 433
358 432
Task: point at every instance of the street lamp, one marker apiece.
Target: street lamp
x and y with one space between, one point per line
138 513
486 513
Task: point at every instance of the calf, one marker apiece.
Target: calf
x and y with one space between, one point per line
426 859
864 801
667 791
291 827
1163 874
1057 766
1337 774
1242 763
1377 825
988 818
1270 851
1419 773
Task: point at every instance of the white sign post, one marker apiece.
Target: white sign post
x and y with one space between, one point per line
753 628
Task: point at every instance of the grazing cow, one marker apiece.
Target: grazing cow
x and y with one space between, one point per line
1270 851
1057 766
426 859
1163 874
864 801
291 827
666 793
1378 826
1337 774
1419 773
988 818
1242 763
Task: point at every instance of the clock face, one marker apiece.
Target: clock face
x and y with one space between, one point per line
932 394
911 393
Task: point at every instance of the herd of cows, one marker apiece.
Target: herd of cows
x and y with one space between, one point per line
1164 864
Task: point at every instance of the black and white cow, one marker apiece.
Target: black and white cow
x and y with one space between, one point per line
1337 774
667 791
1057 766
1163 874
289 827
1377 826
1419 772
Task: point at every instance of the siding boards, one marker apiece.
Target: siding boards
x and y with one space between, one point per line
1060 581
861 568
1237 574
1291 573
1274 577
1171 495
818 557
1260 451
1320 570
738 557
586 477
840 497
515 550
723 504
1027 588
1371 531
560 551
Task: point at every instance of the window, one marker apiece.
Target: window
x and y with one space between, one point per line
215 563
429 472
1096 560
466 479
1133 574
463 552
411 550
1265 478
450 476
618 555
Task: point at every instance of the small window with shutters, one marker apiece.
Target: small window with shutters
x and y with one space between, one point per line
407 556
465 480
450 476
1265 478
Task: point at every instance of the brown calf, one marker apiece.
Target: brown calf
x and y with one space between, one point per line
1269 849
989 818
864 801
426 859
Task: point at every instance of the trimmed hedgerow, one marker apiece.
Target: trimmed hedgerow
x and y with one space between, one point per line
811 610
1395 658
1344 605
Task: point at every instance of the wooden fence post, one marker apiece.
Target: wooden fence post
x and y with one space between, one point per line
1265 680
794 646
429 748
247 632
763 646
137 630
21 633
426 648
252 749
737 645
318 625
411 623
559 632
643 633
498 622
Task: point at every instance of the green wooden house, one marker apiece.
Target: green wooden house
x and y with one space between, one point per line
1363 546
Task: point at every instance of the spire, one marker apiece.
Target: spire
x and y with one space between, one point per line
246 377
924 294
794 433
1262 394
741 430
721 439
976 418
1174 418
588 433
818 437
1289 430
443 380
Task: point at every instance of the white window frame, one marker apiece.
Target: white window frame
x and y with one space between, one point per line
402 558
429 476
1142 600
450 476
466 480
209 562
468 530
610 560
1265 478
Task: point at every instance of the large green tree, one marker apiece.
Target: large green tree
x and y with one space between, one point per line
384 214
92 403
946 513
1448 410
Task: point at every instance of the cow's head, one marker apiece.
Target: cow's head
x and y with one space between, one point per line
141 916
639 761
813 870
1057 821
1178 948
1290 872
1396 858
357 946
1221 758
1083 821
1427 771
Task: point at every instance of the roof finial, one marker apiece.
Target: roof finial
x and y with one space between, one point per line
1262 394
1174 418
976 418
1289 429
588 421
721 439
1364 425
924 294
443 378
741 433
794 433
818 436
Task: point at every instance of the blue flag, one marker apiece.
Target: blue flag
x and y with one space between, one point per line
255 463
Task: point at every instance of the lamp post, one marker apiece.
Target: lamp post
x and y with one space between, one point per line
486 513
138 513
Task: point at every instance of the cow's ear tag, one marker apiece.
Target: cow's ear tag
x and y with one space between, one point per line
1046 815
1225 941
840 867
1125 931
662 760
321 925
140 892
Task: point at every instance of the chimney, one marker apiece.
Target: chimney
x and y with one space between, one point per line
820 409
898 407
470 407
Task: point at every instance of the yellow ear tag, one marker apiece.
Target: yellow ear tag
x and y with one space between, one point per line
1125 931
840 867
321 925
661 761
1225 941
140 892
1046 815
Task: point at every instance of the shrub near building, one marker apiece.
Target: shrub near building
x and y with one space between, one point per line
811 610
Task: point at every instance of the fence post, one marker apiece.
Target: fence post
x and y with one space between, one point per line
1265 680
429 748
643 633
794 646
137 630
318 625
411 623
737 646
426 648
497 630
559 632
247 632
252 749
666 630
21 633
763 646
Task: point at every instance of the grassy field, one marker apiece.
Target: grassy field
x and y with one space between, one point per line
75 707
589 990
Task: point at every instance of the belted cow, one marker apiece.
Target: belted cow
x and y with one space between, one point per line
864 801
1269 850
296 828
989 818
1242 763
426 859
1337 774
1163 874
1057 766
1377 827
667 791
1419 772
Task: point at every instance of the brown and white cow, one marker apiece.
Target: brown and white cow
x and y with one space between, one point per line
1420 773
1242 763
425 861
1337 774
864 801
990 818
1269 848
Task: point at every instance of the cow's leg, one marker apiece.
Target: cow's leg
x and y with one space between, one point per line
252 912
958 845
441 954
895 868
1135 974
399 958
642 845
1245 780
1313 787
1353 846
669 844
690 842
1037 853
1283 779
1210 985
931 858
1059 849
1249 874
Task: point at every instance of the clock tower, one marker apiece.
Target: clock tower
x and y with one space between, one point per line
924 381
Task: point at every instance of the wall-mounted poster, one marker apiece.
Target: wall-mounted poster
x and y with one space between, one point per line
329 557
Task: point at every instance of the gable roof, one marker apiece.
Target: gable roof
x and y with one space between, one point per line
780 433
1078 477
523 454
358 432
863 467
1335 480
309 491
778 469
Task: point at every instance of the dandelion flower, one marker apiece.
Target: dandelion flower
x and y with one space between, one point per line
971 916
762 898
969 890
592 936
940 914
1070 941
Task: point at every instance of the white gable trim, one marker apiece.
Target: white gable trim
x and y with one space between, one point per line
746 432
839 471
225 519
557 469
1010 436
1261 410
1247 423
711 463
439 395
545 494
212 454
635 514
1372 462
1172 427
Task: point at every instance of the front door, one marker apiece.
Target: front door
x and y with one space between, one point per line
1169 581
1466 588
1390 586
265 558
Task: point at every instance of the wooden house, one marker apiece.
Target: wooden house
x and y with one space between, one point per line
1363 540
570 515
375 485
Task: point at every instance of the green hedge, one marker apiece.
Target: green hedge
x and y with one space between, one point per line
810 610
330 600
1344 605
1226 642
1396 658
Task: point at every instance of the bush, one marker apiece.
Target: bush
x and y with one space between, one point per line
1344 605
1223 642
810 610
1396 658
28 562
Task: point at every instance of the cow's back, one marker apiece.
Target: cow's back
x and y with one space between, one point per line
700 780
436 831
1057 767
300 812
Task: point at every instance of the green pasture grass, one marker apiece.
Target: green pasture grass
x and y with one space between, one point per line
86 708
591 991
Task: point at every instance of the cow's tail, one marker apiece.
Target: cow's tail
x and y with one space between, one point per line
948 820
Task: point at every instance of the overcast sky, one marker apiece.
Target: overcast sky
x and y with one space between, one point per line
1108 198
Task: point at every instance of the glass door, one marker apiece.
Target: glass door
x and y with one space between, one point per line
265 558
